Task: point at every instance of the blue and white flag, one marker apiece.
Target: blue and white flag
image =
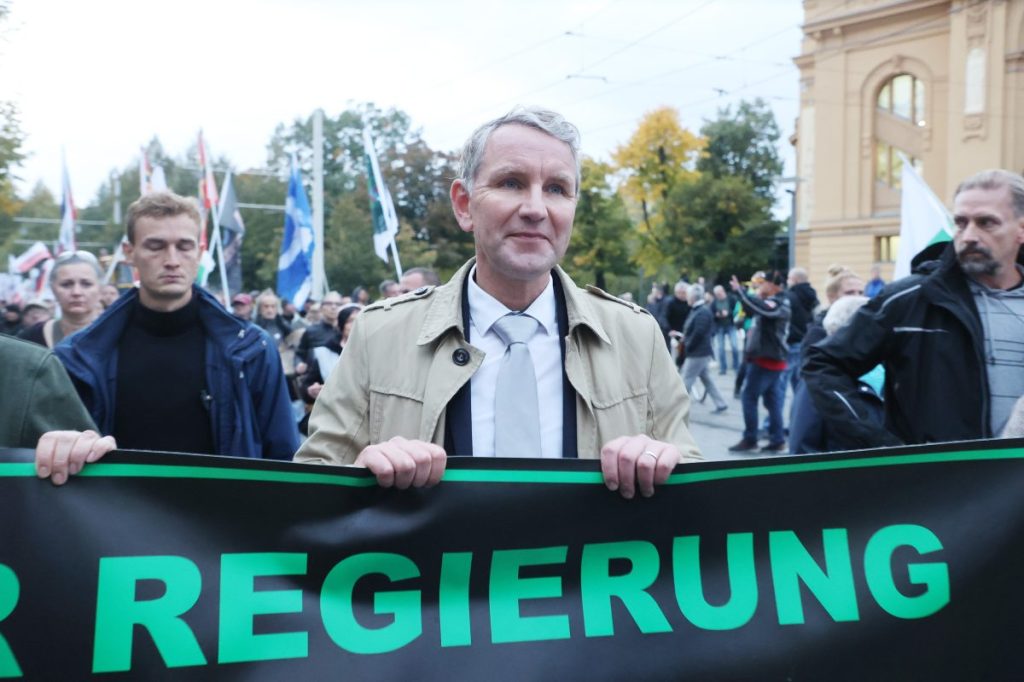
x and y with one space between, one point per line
295 266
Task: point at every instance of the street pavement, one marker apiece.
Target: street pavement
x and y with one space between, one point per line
714 433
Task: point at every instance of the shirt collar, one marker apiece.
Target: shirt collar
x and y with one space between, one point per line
485 310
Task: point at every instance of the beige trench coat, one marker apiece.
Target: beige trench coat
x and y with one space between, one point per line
398 373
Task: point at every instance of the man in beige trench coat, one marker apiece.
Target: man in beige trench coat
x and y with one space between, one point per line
436 372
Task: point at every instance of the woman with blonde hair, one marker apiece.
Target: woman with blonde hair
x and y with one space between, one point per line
75 282
841 282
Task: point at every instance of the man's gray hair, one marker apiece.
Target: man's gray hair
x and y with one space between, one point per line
840 313
430 277
544 120
798 275
994 179
695 292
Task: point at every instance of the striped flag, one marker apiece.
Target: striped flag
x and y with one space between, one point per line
66 239
208 201
385 220
36 254
295 266
924 220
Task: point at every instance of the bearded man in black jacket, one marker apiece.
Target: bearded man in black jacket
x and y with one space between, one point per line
950 336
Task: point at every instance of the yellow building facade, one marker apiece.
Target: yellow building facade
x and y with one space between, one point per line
937 82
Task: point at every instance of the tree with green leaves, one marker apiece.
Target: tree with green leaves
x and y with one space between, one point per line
600 243
417 177
11 156
659 156
744 144
721 221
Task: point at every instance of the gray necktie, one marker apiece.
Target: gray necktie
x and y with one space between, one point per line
516 417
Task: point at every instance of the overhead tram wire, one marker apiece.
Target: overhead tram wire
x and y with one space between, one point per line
656 31
711 59
864 43
631 44
690 105
518 53
500 60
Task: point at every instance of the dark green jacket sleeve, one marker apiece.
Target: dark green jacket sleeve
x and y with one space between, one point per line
44 401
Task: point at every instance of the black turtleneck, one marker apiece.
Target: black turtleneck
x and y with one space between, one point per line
162 401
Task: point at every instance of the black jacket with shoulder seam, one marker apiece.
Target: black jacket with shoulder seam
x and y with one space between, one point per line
926 331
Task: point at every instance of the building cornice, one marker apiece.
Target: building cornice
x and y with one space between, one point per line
878 225
885 11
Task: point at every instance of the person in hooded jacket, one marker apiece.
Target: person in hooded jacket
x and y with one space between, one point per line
950 336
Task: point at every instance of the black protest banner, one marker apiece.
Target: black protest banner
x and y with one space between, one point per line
896 564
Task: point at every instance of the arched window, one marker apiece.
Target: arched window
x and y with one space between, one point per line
889 164
899 132
903 96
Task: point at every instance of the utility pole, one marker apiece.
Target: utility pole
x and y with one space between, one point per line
117 198
792 217
319 272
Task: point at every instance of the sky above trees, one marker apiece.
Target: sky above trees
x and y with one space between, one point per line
102 78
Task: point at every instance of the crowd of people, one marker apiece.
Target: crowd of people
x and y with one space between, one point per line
510 357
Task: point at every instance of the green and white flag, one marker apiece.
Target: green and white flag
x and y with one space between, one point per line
924 220
385 220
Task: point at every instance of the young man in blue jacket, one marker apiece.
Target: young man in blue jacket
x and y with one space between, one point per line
166 367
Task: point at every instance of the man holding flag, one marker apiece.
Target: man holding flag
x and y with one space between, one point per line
949 336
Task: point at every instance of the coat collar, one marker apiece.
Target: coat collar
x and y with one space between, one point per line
445 311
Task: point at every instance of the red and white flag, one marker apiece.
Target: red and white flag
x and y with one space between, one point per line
36 254
207 186
210 201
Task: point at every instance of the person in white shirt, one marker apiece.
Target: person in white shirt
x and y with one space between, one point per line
510 357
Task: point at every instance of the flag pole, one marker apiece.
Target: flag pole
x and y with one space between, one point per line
398 263
319 286
115 261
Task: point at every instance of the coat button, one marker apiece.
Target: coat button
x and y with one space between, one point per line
460 357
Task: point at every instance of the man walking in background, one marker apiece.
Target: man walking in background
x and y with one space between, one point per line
697 333
722 308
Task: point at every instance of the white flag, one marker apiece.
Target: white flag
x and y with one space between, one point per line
382 207
924 220
66 239
36 254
